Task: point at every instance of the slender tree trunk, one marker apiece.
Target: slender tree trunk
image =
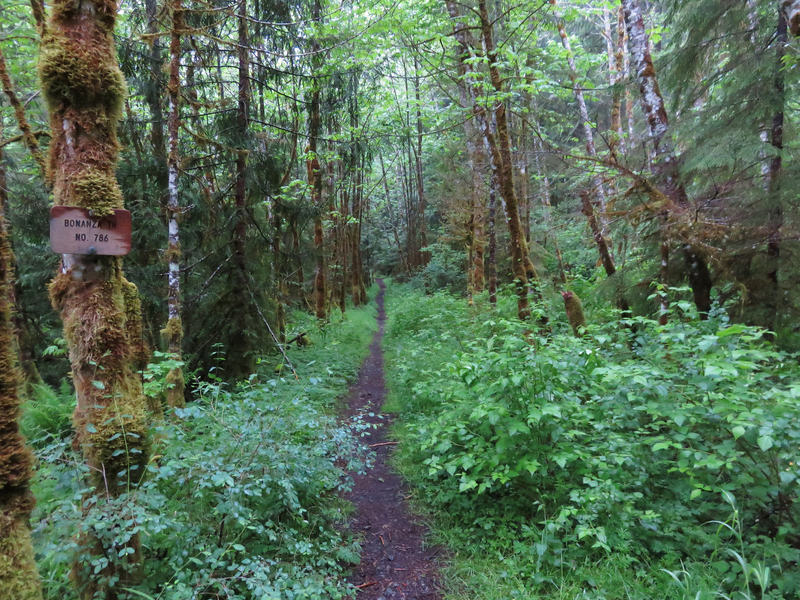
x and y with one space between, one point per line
616 58
299 272
492 266
84 89
173 332
476 279
19 578
315 180
242 122
775 213
278 268
666 161
154 94
597 222
500 151
28 136
425 256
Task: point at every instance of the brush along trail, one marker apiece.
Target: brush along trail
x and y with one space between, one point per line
395 565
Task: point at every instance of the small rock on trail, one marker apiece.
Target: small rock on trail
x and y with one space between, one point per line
394 563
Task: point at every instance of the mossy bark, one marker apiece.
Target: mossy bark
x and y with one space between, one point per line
85 89
19 578
574 310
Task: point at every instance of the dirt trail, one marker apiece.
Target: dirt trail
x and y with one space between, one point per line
394 564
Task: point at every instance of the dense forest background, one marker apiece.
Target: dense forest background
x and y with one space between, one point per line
591 204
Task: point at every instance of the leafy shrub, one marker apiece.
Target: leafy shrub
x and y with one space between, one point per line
241 499
625 442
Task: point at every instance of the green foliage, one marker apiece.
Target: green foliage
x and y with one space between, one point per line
47 416
618 448
241 499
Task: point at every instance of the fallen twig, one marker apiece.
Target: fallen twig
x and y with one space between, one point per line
382 444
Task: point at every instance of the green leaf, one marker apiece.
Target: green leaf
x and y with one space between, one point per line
765 442
738 432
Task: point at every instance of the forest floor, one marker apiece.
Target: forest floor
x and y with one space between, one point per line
395 564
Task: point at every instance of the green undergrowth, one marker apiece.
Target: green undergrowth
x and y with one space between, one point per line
639 461
242 497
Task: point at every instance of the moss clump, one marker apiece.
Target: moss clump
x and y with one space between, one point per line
173 253
574 309
172 334
98 191
19 578
81 73
176 387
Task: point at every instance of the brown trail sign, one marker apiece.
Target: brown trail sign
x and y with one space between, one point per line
74 231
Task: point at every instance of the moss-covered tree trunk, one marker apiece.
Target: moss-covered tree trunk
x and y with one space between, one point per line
100 309
173 332
19 578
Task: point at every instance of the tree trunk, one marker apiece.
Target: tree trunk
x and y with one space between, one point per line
425 256
153 96
500 152
84 89
173 332
19 578
666 164
492 266
28 136
315 180
775 213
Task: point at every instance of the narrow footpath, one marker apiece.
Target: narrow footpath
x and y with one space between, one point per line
394 563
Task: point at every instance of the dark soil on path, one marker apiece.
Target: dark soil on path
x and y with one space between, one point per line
394 563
